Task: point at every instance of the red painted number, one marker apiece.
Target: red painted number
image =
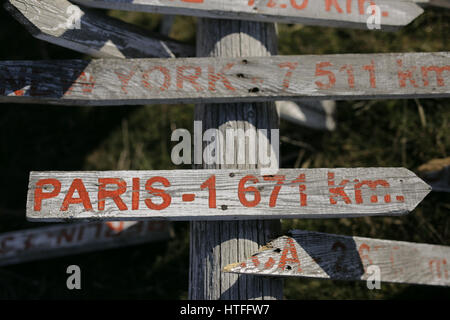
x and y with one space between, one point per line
242 190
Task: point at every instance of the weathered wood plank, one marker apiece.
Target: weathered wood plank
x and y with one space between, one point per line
218 80
222 194
329 256
68 239
437 174
312 114
101 36
214 244
65 24
338 13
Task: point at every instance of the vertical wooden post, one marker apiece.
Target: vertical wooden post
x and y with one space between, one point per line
216 244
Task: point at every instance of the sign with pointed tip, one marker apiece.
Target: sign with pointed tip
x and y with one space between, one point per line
217 80
328 256
68 239
222 194
334 13
65 24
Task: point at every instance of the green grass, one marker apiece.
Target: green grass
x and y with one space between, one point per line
369 133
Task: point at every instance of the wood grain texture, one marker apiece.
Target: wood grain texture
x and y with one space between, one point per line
225 79
214 244
329 256
68 239
304 193
311 114
98 35
317 12
105 37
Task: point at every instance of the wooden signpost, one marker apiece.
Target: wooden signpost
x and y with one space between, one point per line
213 80
237 67
329 256
334 13
67 239
64 24
222 194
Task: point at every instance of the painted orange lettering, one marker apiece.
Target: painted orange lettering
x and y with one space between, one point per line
329 74
329 3
39 195
114 194
77 185
214 77
371 69
167 199
302 188
363 257
339 191
438 263
289 248
85 80
438 71
135 194
116 226
351 76
372 185
181 77
297 6
165 72
361 6
125 78
404 75
287 77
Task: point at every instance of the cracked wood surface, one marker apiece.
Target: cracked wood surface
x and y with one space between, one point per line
329 256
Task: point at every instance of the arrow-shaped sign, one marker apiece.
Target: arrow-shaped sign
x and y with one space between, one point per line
217 80
222 194
338 13
329 256
101 36
64 24
61 240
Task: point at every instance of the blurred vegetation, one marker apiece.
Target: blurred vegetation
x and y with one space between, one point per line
369 133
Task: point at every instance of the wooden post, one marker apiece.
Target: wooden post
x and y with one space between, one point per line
216 244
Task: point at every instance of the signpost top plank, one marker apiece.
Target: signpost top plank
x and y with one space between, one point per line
329 256
218 80
104 37
62 23
74 238
337 13
222 194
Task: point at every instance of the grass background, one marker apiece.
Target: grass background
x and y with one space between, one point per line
369 133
